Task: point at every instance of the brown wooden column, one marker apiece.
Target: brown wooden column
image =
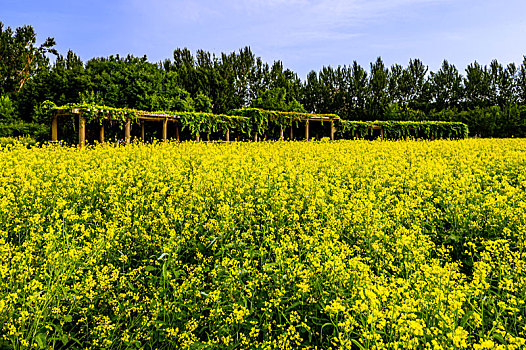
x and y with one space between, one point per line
291 133
177 132
143 138
227 134
82 131
281 133
333 130
101 132
382 133
255 137
307 130
54 127
165 129
127 131
197 137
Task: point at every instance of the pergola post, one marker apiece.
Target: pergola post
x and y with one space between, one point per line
82 131
281 133
197 137
142 131
228 134
54 127
382 133
255 137
127 131
307 130
291 133
177 132
101 132
333 130
165 129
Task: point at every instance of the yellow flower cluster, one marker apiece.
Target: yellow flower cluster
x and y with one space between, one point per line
270 245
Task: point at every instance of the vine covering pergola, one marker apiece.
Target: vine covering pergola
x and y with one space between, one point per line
249 121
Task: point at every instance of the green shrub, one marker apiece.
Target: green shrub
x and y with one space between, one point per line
7 109
20 128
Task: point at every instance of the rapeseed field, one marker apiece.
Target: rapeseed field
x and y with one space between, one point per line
270 245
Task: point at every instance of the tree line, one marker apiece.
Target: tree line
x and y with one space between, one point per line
490 99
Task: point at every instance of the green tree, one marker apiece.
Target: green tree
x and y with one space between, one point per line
359 91
396 84
20 57
521 82
477 86
311 93
415 87
378 85
275 99
446 87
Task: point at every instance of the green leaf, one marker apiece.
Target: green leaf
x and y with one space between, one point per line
165 272
41 340
498 337
131 286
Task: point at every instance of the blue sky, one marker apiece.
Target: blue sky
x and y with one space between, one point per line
304 34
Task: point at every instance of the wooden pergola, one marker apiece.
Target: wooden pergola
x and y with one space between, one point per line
143 117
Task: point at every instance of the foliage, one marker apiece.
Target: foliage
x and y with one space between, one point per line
20 59
493 121
371 245
250 121
245 122
446 87
179 100
261 120
276 100
487 98
397 112
202 103
90 97
404 129
20 128
7 109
